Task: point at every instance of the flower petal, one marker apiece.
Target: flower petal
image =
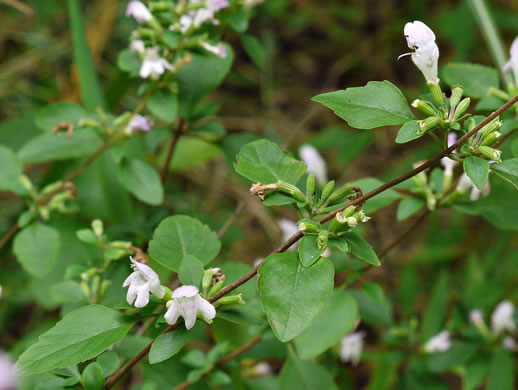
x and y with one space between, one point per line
172 314
205 307
142 296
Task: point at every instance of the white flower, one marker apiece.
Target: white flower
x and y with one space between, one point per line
154 65
352 222
438 343
465 184
218 50
137 123
8 373
137 46
0 291
138 11
288 229
141 282
421 39
263 369
315 162
351 347
476 317
447 162
326 253
216 5
509 343
187 302
502 318
512 64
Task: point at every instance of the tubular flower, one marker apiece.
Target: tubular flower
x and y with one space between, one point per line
8 373
154 65
512 64
315 162
421 39
465 184
137 46
351 347
502 318
438 343
137 123
139 12
187 302
288 229
447 163
142 281
218 50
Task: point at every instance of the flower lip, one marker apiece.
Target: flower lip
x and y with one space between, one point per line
145 269
418 34
185 292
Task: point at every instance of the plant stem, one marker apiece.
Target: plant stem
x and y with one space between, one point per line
172 147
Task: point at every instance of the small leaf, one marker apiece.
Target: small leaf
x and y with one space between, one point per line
374 306
12 168
501 373
436 309
459 353
164 105
291 294
408 132
142 180
340 243
50 116
379 103
129 61
476 79
36 247
81 335
509 167
300 374
168 345
263 161
308 250
67 291
408 207
92 377
109 362
477 170
191 271
361 248
254 50
179 236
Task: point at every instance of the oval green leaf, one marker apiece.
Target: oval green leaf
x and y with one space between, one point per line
142 180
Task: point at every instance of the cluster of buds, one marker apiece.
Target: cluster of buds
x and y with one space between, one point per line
482 142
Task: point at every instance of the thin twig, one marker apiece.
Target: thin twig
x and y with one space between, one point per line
234 354
230 220
9 235
297 236
170 152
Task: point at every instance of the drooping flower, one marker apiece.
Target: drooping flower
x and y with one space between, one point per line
137 46
425 56
8 373
315 162
138 11
465 184
447 163
154 65
438 343
187 302
351 348
502 318
137 123
218 50
512 64
141 282
288 229
263 369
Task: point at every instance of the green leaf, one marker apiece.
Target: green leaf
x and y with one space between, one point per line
361 248
477 170
292 295
459 353
179 236
337 317
476 79
50 147
191 271
50 116
191 152
36 247
67 291
12 168
91 92
379 103
374 307
254 50
109 362
164 105
81 335
308 250
300 374
436 309
168 345
509 167
501 373
205 72
340 243
408 132
263 161
142 180
92 377
408 207
129 61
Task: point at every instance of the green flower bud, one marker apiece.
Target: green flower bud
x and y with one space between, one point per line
168 294
291 190
104 286
215 289
456 94
322 239
26 183
328 190
471 124
490 139
436 91
492 126
206 279
493 154
427 124
85 289
308 227
44 212
121 244
341 192
497 92
97 227
424 107
230 300
463 106
310 185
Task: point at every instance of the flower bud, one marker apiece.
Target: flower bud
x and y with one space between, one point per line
493 154
456 94
310 185
26 183
97 227
291 190
490 139
230 300
322 239
121 244
463 106
497 92
436 91
328 190
494 125
308 227
427 124
424 107
215 289
471 124
352 222
168 295
341 192
206 279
